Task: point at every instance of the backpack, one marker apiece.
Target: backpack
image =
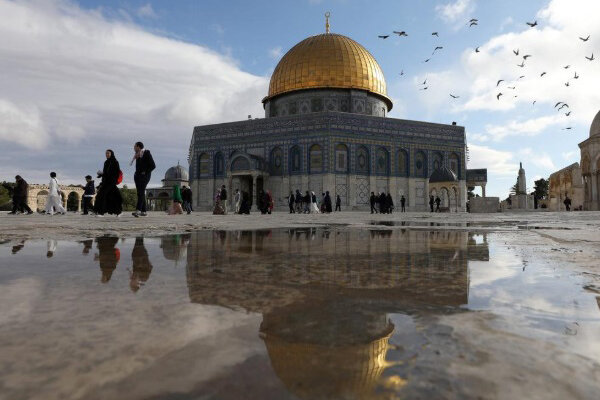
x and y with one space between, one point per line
120 178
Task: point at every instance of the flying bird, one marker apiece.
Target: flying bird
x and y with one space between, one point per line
543 73
516 52
567 84
522 76
585 39
521 65
498 96
567 67
424 82
453 96
590 58
568 128
473 20
557 104
576 76
500 80
477 50
473 24
427 60
425 88
534 102
435 34
563 106
401 72
567 114
436 49
525 57
532 24
383 36
511 87
401 33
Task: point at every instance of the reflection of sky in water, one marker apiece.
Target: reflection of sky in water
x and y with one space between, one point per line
184 313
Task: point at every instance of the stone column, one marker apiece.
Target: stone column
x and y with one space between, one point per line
483 190
79 203
594 202
230 203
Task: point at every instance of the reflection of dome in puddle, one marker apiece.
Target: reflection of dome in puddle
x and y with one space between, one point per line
325 350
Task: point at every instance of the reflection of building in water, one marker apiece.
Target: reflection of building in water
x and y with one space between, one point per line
174 247
108 256
325 294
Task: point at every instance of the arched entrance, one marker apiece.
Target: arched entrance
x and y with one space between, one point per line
73 202
42 196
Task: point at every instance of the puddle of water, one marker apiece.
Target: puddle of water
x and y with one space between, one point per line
476 224
309 313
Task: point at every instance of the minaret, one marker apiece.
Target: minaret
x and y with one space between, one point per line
521 181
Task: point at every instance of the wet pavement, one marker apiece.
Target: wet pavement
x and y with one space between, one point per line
302 313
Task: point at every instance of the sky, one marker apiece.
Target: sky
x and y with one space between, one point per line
78 77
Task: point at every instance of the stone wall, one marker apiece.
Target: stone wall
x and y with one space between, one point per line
484 204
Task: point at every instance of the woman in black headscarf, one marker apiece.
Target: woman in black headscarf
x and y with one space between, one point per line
108 197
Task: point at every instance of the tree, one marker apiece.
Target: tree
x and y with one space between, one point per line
129 198
5 198
540 189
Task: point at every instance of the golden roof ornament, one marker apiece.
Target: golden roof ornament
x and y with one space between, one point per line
327 15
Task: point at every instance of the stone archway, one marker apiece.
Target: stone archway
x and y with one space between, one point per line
40 200
73 202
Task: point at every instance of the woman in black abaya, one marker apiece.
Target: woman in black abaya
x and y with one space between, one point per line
108 197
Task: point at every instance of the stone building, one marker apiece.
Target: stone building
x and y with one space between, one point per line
71 197
159 198
590 167
325 129
566 182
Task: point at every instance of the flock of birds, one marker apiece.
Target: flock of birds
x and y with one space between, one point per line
559 106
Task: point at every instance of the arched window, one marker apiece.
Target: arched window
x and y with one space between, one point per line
362 161
204 161
316 159
295 160
219 164
382 161
276 161
438 160
402 163
420 165
341 158
455 163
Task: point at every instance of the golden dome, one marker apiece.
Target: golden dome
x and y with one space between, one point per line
328 61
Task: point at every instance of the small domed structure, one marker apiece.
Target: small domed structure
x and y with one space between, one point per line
443 174
595 128
176 174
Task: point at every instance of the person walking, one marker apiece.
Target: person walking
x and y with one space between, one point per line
292 203
54 200
177 201
338 203
383 209
327 201
224 199
144 165
186 195
218 210
431 201
567 202
314 207
438 201
298 199
20 196
237 198
269 204
88 193
389 203
372 201
108 197
403 203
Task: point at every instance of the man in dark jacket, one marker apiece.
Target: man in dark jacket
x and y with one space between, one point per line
438 201
186 195
144 165
292 202
20 196
88 193
373 200
224 198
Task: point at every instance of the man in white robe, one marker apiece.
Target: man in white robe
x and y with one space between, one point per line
54 201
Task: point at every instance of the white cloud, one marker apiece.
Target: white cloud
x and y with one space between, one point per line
530 127
496 161
552 45
74 76
146 11
572 156
538 158
456 10
22 125
276 53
